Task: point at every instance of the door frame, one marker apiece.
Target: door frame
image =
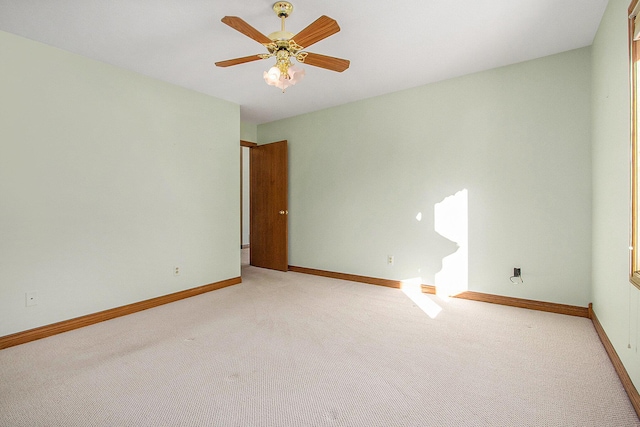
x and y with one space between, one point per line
249 145
252 188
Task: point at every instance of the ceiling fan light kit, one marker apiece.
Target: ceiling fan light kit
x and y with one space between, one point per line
285 46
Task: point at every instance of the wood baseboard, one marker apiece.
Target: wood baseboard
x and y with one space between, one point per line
344 276
631 390
90 319
428 289
551 307
475 296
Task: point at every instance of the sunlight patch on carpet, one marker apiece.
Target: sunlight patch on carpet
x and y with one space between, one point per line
413 289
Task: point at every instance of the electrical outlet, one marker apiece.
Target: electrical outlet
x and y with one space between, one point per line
517 276
31 298
390 259
176 271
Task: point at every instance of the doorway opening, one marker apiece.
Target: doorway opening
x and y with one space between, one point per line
245 202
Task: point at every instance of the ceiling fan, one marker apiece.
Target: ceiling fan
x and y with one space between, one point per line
285 46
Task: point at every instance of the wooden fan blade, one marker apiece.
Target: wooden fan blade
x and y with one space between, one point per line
319 29
236 61
328 62
240 25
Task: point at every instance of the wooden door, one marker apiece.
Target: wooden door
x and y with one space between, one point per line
268 210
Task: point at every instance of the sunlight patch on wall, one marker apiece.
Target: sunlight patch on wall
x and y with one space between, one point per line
413 289
451 220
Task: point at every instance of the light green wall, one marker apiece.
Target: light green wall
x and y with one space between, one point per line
108 179
516 138
248 132
615 300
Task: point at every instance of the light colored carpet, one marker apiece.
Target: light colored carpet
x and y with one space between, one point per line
286 349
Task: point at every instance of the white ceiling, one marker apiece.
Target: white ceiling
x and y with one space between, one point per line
392 46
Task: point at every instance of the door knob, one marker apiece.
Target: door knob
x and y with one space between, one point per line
284 212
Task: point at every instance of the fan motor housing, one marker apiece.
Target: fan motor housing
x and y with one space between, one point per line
280 35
